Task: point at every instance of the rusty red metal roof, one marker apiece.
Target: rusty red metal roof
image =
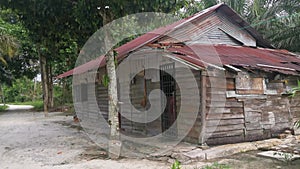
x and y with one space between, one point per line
160 32
254 58
84 68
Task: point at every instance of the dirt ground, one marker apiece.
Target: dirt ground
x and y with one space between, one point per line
31 141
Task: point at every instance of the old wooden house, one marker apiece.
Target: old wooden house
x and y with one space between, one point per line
241 81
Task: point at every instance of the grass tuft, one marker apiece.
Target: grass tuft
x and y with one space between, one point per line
3 108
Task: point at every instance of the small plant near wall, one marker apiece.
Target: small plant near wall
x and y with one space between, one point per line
176 165
217 166
297 124
287 157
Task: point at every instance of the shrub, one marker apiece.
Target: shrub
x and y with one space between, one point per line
38 105
3 108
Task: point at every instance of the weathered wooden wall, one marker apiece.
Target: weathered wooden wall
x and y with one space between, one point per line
140 103
189 101
137 92
250 112
225 119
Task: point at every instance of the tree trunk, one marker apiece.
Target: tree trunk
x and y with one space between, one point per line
2 95
34 89
45 82
50 85
113 108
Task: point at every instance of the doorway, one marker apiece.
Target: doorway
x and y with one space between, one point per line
168 86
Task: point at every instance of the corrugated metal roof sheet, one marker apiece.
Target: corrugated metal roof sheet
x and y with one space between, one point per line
158 33
162 31
256 58
84 68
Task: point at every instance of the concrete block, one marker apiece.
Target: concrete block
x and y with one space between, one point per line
196 154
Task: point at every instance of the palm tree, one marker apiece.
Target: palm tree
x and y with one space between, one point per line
278 21
287 33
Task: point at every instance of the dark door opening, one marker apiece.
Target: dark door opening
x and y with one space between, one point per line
168 86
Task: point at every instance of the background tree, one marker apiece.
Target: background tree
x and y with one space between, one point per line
17 58
8 47
49 23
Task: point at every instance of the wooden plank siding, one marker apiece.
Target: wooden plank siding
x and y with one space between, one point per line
194 132
213 29
225 118
266 117
250 115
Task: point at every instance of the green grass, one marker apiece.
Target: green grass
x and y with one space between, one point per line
37 105
217 166
3 108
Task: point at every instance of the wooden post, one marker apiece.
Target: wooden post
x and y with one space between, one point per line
203 108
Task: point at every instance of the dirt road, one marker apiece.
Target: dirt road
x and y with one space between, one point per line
31 141
18 107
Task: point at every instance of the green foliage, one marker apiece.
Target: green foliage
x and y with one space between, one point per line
62 94
22 90
105 80
297 124
295 90
37 105
15 43
217 166
3 108
176 165
277 20
8 47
